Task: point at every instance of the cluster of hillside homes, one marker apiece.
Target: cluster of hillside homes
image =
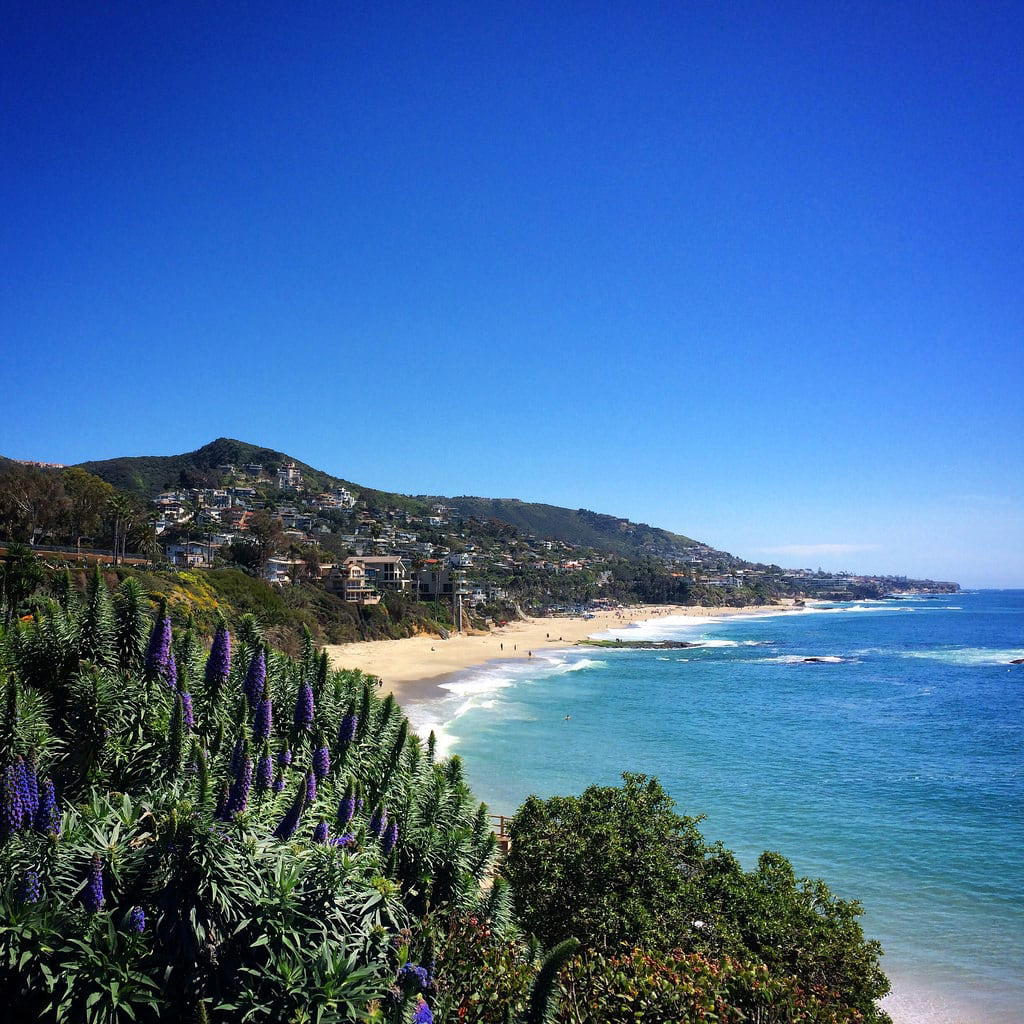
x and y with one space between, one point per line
425 554
390 552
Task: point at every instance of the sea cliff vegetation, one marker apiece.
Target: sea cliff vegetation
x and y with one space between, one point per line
202 827
231 510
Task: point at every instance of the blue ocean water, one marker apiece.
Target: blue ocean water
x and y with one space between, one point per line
895 773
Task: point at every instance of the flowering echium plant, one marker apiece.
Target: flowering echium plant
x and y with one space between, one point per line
169 817
218 664
158 654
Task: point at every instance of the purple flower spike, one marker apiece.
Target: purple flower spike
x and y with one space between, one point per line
320 833
159 650
255 678
93 895
304 708
171 672
264 773
263 721
390 838
238 799
284 759
290 822
188 713
412 977
378 822
347 730
221 810
310 788
321 763
31 891
346 840
12 811
347 807
237 755
218 665
279 783
24 792
48 817
137 920
32 781
423 1014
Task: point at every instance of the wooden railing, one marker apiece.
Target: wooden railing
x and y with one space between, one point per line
499 825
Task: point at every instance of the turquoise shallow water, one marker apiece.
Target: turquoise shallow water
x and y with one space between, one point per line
897 774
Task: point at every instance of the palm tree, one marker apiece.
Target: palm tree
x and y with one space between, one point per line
120 508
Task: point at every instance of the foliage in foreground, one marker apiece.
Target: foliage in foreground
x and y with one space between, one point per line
227 836
239 835
651 900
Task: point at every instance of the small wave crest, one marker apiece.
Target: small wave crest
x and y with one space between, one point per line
804 659
970 656
483 689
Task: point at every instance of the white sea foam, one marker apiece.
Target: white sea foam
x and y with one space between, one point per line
484 688
481 682
977 656
881 606
801 659
665 628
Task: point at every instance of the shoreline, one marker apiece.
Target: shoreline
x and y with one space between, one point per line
413 668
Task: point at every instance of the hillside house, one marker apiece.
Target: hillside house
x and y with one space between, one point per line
289 477
282 570
192 554
350 582
386 572
439 582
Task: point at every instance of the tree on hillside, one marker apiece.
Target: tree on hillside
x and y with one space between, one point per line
267 536
87 499
32 502
119 509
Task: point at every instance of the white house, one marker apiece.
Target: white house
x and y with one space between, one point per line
190 555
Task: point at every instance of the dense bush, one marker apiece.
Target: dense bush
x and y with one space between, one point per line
638 985
617 867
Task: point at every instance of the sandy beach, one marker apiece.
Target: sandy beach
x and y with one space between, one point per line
417 663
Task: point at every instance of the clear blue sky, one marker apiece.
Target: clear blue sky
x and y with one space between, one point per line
748 271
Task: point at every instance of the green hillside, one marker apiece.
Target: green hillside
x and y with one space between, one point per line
147 475
574 526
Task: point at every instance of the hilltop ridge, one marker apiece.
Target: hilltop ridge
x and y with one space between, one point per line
148 475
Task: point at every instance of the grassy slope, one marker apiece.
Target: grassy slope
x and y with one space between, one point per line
281 611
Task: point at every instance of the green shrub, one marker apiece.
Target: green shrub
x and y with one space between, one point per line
617 866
